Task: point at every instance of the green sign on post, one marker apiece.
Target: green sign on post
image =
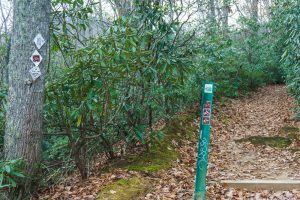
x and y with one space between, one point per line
205 121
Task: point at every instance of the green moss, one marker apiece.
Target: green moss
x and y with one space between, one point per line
276 141
288 130
154 160
292 133
181 127
124 189
294 136
162 154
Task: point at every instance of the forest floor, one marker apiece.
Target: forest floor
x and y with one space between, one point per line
255 137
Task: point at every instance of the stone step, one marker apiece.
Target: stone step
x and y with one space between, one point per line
275 185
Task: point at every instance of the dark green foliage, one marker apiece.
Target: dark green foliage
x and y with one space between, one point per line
9 172
120 84
4 56
288 14
163 152
239 61
3 94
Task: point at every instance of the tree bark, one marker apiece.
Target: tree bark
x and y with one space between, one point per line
123 7
23 131
254 9
267 8
212 11
225 13
101 16
4 20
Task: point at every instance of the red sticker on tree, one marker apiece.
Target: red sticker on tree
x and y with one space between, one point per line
36 58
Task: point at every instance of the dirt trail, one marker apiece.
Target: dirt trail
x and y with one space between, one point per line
265 113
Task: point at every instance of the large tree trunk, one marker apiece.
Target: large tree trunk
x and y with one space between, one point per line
267 7
23 132
225 13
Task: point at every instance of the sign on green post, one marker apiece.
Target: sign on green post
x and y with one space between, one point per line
205 122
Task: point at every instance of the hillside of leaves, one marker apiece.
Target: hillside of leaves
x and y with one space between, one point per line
107 92
265 147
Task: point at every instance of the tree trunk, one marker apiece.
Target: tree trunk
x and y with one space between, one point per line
254 9
4 18
267 8
123 7
212 11
201 10
101 16
225 13
23 132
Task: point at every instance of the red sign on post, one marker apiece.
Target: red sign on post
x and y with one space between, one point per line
206 113
207 104
206 120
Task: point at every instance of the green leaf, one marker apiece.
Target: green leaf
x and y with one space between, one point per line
90 106
1 179
79 120
12 182
140 137
7 168
160 135
18 174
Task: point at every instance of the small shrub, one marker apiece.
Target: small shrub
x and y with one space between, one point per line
10 171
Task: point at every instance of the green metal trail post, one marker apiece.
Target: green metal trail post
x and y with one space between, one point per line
205 123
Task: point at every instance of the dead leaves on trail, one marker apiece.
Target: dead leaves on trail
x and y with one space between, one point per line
265 113
73 188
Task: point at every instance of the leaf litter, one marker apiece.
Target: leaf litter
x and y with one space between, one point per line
266 113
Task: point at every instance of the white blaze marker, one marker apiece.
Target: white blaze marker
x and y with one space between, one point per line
39 41
36 58
208 88
35 73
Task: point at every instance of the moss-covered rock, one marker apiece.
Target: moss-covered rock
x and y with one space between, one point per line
284 140
291 132
124 189
276 141
289 129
